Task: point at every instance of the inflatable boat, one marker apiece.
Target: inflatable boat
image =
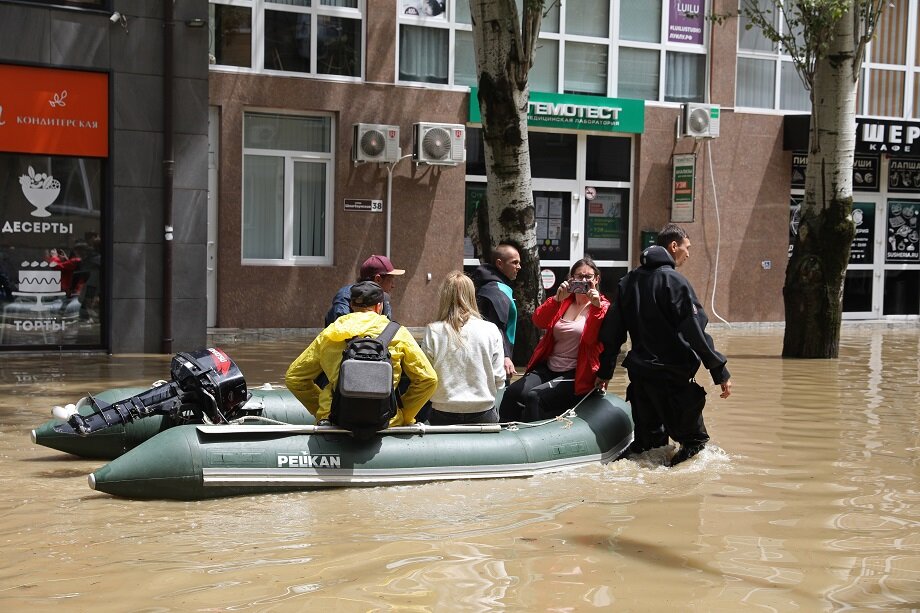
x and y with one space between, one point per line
203 434
192 462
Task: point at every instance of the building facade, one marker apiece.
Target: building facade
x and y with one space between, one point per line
103 175
297 201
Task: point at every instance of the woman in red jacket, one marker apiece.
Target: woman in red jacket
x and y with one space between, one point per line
561 371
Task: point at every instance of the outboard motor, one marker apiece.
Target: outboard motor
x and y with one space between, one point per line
206 380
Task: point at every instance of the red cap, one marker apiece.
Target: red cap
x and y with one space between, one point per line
378 265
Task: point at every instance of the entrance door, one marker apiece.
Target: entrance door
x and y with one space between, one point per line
862 288
883 276
559 229
213 167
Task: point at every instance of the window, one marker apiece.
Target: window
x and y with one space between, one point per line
52 281
645 49
766 76
287 189
889 83
320 37
436 42
662 53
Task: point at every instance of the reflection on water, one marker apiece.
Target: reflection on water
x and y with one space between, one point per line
806 500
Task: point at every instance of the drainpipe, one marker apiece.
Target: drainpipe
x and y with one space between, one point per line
168 171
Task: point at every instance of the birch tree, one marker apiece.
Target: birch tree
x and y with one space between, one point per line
826 40
504 41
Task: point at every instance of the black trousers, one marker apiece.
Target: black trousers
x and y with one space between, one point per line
661 409
540 394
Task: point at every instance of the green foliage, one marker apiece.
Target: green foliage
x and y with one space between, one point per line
804 29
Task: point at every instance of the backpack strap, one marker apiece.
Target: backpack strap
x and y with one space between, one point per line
385 337
388 333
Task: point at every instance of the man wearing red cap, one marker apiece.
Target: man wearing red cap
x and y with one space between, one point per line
380 270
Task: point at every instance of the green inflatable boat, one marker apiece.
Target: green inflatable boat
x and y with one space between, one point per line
203 434
192 462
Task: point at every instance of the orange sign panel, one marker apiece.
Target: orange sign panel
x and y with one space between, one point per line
52 111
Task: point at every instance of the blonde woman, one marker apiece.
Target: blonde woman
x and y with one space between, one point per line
467 353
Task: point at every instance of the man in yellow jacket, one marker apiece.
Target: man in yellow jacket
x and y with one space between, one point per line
324 355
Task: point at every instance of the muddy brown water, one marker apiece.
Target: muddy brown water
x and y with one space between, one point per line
807 500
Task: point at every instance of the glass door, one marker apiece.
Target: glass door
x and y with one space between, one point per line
862 287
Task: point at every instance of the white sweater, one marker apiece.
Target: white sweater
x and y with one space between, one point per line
469 373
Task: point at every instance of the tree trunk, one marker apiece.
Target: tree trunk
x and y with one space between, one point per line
813 290
504 54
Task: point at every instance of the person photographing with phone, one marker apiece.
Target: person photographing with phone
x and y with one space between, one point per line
562 369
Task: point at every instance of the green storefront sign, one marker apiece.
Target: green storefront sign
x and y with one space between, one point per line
574 112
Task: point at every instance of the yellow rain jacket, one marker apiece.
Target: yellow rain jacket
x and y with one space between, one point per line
325 355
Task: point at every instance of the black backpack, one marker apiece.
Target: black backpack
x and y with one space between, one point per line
364 399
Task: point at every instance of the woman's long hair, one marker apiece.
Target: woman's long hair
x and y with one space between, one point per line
457 302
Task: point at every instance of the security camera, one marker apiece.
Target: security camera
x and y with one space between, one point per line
116 17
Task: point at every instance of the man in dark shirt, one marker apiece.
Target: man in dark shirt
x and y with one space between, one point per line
494 295
666 323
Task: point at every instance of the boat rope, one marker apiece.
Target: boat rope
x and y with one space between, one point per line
565 417
258 419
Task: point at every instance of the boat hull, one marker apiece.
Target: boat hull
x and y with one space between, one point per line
276 404
195 462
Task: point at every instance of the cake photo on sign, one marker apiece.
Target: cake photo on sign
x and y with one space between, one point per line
39 278
41 190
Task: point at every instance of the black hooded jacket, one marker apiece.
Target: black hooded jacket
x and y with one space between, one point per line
493 298
666 324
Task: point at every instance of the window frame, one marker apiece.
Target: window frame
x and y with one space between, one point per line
910 101
291 157
257 42
613 43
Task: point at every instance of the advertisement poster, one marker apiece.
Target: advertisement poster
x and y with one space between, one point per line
795 215
606 221
553 217
799 166
864 240
423 8
684 168
903 243
685 23
51 281
865 171
904 175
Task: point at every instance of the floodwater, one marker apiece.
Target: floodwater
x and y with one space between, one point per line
807 500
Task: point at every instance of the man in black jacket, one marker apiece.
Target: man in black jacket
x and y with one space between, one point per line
494 295
657 306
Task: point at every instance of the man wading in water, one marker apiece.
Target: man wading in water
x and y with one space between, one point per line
657 306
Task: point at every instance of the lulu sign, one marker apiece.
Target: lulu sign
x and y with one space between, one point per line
52 111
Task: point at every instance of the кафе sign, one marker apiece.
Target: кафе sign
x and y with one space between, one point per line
873 136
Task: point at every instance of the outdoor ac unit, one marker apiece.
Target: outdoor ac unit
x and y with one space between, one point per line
699 120
375 143
438 143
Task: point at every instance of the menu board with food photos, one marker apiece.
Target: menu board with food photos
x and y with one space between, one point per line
864 240
865 171
903 243
904 175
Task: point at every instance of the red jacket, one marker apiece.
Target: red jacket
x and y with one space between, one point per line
589 349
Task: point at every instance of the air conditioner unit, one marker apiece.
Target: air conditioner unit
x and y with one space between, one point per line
700 120
438 143
375 143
